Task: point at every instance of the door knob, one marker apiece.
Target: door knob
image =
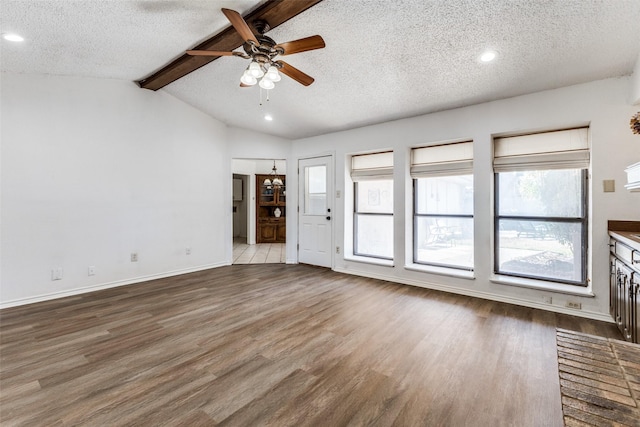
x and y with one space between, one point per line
328 218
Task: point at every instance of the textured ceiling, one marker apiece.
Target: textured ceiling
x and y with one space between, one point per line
384 60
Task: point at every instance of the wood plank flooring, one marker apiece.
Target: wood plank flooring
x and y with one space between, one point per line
281 345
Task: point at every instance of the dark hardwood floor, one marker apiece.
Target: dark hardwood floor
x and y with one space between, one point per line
282 345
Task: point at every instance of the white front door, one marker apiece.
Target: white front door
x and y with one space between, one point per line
315 219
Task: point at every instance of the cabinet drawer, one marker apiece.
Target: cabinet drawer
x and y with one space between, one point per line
612 245
270 220
625 253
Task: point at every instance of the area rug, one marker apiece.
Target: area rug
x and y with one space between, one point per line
599 380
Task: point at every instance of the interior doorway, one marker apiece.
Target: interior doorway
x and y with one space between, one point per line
258 208
240 207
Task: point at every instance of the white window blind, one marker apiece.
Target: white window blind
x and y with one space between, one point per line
372 166
445 159
565 149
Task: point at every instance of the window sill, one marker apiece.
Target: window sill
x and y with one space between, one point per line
542 285
369 260
443 271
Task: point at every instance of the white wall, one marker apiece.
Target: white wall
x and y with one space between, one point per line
635 86
93 170
602 104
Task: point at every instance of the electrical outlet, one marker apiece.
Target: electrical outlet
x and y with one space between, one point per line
188 251
92 270
576 305
57 273
547 299
337 249
134 257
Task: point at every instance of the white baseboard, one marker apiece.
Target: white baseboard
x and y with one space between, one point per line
101 286
483 295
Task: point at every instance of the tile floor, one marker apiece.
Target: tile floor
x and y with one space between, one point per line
263 253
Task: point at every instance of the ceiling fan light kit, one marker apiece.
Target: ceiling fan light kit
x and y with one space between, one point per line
269 76
262 50
247 79
255 70
273 74
267 84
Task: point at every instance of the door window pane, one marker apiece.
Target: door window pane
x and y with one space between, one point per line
315 192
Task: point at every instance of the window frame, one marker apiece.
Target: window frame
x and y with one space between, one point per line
355 221
416 215
583 221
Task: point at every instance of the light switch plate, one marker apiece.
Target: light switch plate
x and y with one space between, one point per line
609 185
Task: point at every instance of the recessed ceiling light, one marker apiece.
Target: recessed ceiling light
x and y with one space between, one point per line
268 117
13 37
488 56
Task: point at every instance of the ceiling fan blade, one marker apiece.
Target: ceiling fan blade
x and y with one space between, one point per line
208 53
240 25
301 45
295 74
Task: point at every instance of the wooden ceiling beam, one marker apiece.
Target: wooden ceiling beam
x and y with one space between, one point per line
274 12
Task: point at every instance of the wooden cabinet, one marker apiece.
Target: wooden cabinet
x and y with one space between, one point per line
271 206
624 286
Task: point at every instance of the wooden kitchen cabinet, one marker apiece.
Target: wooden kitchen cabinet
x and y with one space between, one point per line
624 286
271 206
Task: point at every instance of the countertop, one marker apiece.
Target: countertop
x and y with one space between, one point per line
630 238
627 232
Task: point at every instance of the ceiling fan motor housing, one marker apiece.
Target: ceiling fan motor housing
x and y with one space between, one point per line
265 52
261 26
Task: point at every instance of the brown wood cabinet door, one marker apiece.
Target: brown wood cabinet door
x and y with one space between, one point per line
281 234
635 308
267 233
613 287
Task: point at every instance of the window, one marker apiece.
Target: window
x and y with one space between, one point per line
315 196
541 206
373 205
443 205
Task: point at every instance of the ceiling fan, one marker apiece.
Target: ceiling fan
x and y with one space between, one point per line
262 51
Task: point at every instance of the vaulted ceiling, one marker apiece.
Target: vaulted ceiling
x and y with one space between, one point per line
384 59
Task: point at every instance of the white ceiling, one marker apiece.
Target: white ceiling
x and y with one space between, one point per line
384 59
